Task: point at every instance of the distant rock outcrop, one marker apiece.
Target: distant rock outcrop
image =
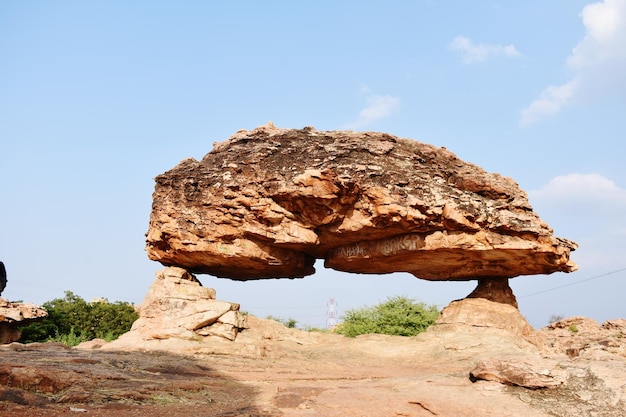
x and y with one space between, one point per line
583 337
16 315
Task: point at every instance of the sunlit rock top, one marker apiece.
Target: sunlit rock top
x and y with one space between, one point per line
267 203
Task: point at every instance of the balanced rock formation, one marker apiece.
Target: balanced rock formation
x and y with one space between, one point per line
268 202
178 306
16 315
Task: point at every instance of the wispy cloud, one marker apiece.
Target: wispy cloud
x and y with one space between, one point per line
598 63
549 103
583 194
471 52
593 208
378 107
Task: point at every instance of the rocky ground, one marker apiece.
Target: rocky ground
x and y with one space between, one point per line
574 368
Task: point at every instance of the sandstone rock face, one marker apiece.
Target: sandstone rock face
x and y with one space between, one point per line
484 316
494 289
266 203
271 371
178 306
15 315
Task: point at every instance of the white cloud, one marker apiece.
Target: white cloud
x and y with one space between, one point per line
582 194
378 107
549 102
598 62
471 52
602 20
591 210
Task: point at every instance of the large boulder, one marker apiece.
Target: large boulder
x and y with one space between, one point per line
268 202
177 306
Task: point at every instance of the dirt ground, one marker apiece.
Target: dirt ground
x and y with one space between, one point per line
273 371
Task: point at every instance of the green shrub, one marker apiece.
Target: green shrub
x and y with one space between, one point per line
70 339
400 316
72 320
289 323
311 329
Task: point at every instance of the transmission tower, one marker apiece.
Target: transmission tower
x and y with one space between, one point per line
331 320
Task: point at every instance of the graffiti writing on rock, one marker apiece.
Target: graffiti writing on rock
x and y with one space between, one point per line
384 247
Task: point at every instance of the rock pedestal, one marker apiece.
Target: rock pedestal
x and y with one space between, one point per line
463 316
494 289
178 306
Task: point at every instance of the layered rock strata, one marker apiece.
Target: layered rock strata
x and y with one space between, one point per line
178 306
268 202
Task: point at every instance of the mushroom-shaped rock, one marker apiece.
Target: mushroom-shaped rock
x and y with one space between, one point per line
16 315
267 203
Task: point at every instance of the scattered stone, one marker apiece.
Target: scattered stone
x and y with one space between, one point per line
514 372
78 410
575 324
92 344
22 397
616 324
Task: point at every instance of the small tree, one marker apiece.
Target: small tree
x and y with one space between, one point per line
399 316
73 320
555 317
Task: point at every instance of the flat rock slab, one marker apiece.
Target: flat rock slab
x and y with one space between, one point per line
274 371
268 202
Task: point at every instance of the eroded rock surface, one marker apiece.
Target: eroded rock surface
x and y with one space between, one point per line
271 371
266 203
178 306
517 373
465 322
583 337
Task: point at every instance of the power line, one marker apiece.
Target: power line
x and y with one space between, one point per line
574 283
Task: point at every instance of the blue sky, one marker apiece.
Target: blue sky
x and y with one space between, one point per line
99 97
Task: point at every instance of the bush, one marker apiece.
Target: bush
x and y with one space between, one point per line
289 323
400 316
72 320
